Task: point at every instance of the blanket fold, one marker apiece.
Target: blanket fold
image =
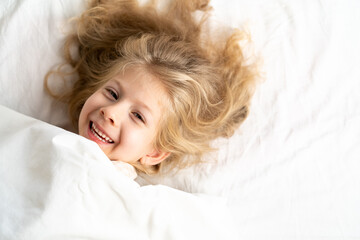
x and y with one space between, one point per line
57 185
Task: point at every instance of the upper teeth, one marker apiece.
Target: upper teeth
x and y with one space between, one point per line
99 133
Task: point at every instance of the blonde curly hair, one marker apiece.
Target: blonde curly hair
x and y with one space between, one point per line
208 83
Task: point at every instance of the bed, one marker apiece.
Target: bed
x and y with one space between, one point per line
290 172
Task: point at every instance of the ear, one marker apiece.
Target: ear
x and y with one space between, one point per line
154 157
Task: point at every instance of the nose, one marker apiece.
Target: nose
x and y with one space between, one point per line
110 114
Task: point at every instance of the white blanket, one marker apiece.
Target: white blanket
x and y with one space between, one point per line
58 185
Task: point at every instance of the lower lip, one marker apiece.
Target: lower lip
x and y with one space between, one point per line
93 137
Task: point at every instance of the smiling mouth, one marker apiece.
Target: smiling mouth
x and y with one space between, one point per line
99 134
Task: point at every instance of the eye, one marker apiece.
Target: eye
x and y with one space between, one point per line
112 93
139 116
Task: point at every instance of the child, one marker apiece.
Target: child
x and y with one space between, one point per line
152 88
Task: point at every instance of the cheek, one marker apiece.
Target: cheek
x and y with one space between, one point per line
90 105
140 140
85 111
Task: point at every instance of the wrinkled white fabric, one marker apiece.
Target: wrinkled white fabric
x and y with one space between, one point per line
58 185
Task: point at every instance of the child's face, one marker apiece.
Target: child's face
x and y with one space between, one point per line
122 117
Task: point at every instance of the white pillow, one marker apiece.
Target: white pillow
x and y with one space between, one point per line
32 34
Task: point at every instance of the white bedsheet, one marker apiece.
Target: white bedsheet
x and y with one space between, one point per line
292 170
